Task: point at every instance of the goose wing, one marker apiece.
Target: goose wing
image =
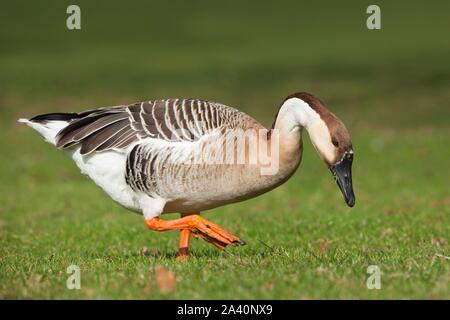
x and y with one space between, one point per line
169 120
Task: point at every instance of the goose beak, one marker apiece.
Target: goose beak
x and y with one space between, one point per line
342 172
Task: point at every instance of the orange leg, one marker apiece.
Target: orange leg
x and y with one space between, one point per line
183 250
199 227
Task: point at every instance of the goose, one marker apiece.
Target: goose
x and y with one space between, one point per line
189 155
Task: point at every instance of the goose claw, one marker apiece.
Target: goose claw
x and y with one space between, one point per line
214 234
240 242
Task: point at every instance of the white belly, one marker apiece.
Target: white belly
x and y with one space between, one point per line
107 170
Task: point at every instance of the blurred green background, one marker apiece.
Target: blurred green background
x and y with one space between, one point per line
389 86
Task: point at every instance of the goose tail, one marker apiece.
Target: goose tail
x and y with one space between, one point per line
48 125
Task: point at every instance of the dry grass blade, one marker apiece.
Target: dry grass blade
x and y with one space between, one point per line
324 247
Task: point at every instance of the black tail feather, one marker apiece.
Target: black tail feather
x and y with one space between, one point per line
55 117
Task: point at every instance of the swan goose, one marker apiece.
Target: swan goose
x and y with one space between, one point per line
168 156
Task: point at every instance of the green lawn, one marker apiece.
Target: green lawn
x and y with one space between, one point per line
390 87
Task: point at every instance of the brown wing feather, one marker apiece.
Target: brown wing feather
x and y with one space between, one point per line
106 133
116 137
170 120
98 125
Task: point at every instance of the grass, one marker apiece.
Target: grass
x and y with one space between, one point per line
390 87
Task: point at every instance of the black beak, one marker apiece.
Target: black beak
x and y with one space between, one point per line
342 172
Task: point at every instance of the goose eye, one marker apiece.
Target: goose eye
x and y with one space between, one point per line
335 142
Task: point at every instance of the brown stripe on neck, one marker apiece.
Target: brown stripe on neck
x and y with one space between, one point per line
311 100
335 126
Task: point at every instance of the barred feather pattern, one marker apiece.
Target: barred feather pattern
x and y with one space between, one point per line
169 120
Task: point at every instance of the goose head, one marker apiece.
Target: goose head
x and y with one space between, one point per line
328 135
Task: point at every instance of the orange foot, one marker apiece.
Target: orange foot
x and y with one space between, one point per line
198 227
